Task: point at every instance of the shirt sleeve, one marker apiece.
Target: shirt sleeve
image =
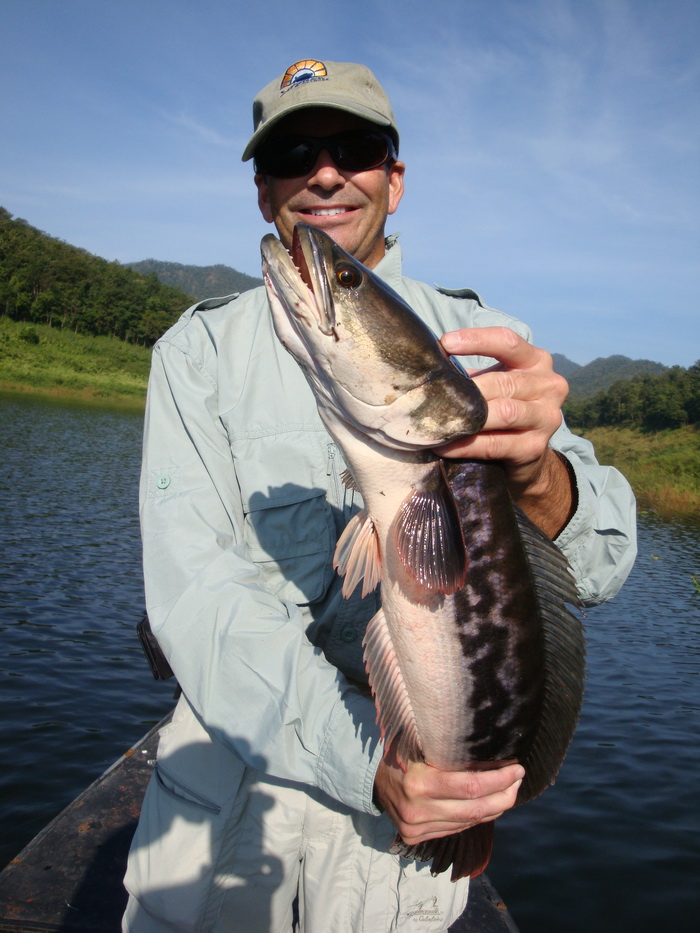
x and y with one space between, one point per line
241 655
600 540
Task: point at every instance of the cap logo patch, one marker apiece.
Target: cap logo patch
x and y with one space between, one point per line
306 70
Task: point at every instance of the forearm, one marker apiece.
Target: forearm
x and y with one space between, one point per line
550 498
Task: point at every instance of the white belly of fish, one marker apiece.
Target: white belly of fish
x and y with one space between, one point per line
415 659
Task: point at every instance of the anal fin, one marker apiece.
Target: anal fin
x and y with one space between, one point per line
468 852
394 709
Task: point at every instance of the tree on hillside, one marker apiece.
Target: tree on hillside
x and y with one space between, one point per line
653 402
47 281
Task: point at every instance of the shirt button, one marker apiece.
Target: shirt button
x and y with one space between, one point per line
348 634
163 481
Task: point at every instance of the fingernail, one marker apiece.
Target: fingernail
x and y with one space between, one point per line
450 341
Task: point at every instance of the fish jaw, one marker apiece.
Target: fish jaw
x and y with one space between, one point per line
364 351
292 302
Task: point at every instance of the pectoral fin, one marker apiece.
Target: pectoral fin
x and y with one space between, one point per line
357 555
349 480
429 535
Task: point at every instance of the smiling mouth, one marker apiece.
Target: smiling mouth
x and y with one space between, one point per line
325 211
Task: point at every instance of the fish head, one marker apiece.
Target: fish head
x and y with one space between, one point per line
370 360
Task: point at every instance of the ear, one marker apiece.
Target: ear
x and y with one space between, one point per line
263 197
396 173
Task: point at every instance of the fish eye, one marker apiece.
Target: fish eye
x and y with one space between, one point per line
348 275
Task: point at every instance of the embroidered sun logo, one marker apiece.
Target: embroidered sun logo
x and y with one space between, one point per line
302 71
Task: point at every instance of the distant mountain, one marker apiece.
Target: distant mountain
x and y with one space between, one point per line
198 281
564 366
600 374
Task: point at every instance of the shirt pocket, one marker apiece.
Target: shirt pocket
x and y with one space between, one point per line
288 525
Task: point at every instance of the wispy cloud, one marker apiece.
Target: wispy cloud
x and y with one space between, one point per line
200 132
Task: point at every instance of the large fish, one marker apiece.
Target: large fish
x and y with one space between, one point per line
474 659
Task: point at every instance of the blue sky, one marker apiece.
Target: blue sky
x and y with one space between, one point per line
552 146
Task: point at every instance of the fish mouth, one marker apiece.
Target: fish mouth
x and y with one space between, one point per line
308 256
300 279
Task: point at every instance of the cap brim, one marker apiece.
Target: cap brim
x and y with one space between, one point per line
357 110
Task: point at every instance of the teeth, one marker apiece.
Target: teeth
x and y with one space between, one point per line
326 211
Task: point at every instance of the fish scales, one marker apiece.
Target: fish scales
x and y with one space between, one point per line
474 658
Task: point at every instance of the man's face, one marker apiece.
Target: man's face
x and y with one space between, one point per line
350 206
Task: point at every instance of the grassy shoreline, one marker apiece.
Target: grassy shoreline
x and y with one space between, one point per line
662 467
73 396
60 366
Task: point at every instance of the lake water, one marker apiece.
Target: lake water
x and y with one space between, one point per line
613 846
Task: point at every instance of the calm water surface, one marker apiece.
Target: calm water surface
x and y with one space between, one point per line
613 847
75 691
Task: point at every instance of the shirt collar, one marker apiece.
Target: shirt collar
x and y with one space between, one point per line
389 267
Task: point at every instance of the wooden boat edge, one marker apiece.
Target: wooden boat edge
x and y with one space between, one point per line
68 879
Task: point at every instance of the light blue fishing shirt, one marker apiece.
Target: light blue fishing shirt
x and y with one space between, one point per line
242 503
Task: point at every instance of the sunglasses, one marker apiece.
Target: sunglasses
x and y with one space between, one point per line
352 151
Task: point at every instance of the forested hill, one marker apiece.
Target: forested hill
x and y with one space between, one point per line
564 366
46 281
198 281
670 399
601 373
616 391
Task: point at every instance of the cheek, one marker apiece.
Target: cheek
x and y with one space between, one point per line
272 198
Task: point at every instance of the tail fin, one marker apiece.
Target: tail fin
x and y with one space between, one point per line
467 852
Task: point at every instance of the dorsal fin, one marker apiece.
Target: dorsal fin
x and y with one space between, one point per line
564 647
357 555
394 710
429 535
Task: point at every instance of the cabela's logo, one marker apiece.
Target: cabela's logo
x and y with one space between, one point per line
306 70
426 910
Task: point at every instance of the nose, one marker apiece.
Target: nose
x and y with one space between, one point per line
325 173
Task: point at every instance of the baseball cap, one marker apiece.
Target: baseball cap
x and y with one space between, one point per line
311 83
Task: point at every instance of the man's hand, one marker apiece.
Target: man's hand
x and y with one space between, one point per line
425 803
524 397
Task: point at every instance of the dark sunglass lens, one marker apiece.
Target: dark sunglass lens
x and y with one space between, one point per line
361 152
286 158
297 158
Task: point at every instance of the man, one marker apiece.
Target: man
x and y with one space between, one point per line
270 787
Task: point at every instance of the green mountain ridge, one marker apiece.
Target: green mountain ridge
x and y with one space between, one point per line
600 374
199 282
564 366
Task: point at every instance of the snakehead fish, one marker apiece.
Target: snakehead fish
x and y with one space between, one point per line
474 659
